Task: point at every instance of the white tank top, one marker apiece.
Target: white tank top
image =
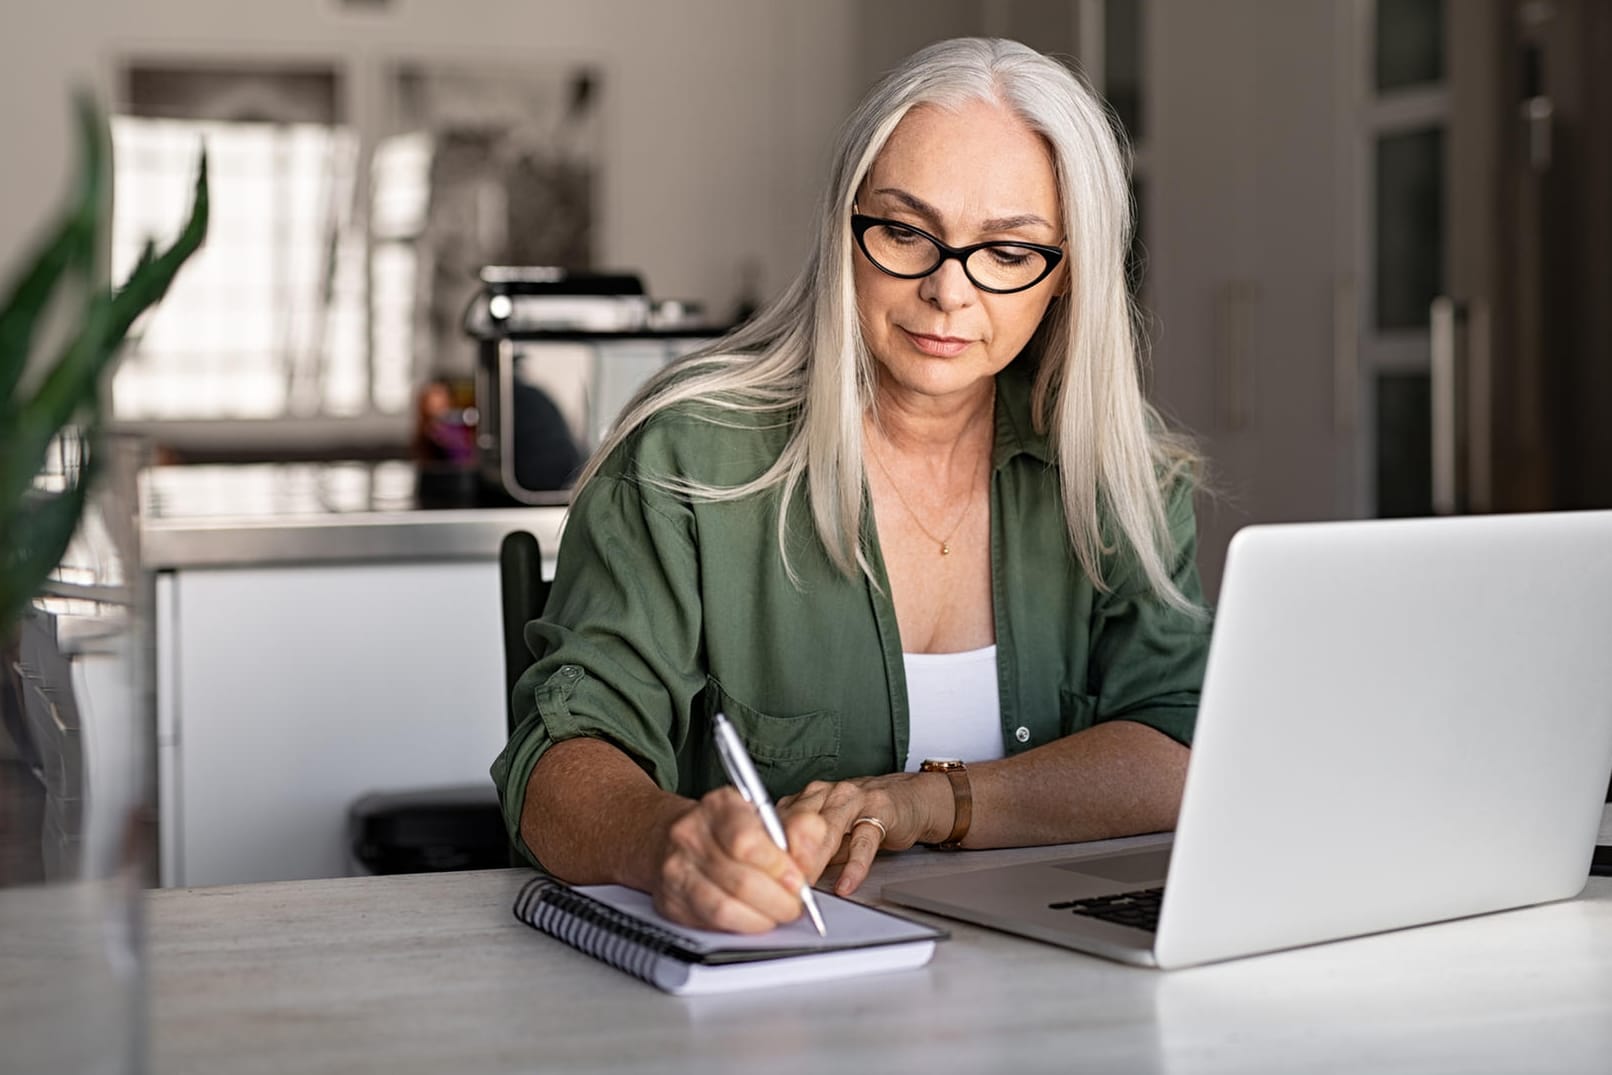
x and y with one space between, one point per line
953 708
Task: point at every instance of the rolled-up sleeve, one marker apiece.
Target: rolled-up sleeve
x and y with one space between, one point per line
618 645
1147 659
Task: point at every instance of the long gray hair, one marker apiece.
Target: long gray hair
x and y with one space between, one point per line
804 354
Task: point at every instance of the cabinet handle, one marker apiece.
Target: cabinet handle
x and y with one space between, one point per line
1539 120
1444 313
1479 378
1345 355
1462 371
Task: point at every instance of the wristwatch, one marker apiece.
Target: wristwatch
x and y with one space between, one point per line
962 798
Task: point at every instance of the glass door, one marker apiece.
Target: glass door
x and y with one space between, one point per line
1401 115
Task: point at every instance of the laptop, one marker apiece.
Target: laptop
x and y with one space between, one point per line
1402 722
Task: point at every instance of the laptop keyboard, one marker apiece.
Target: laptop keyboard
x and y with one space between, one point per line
1139 910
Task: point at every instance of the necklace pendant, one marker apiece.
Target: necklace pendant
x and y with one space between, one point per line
945 548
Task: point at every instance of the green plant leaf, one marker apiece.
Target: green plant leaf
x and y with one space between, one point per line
72 244
23 306
36 525
149 281
38 421
39 534
73 381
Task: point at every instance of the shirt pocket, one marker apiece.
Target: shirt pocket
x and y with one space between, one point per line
789 751
1077 711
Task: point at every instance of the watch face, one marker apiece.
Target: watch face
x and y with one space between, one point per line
932 764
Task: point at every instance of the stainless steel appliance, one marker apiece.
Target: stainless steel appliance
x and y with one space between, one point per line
558 355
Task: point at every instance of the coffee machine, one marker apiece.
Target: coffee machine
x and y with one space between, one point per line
558 354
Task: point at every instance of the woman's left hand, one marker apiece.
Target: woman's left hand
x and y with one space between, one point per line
906 805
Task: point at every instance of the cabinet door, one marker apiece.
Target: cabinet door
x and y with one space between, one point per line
1242 255
289 692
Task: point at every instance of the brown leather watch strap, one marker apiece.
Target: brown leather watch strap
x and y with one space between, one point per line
962 799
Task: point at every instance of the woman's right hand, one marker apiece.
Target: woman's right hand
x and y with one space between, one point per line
718 868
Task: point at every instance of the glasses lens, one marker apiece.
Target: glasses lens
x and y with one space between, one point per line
900 250
1000 266
1006 267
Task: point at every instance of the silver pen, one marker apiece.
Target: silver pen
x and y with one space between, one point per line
742 771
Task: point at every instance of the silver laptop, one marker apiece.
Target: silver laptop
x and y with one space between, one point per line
1402 722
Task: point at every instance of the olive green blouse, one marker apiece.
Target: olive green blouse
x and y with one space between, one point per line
665 611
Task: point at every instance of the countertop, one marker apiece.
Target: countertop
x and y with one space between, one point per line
272 513
431 972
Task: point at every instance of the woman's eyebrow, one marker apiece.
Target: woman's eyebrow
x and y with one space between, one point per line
931 215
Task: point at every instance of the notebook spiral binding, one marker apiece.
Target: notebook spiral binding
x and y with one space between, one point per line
603 932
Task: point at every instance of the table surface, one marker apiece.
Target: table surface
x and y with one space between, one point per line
431 973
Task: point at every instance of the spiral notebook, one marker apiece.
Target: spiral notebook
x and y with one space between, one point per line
620 926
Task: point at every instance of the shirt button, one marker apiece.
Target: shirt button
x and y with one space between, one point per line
570 671
1022 734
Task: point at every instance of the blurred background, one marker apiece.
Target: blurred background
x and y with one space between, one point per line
1374 257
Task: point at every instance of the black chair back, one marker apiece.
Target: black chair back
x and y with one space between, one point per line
520 575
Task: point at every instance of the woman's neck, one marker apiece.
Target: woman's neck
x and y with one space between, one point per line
938 430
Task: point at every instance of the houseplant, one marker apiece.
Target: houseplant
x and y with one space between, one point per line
59 395
73 926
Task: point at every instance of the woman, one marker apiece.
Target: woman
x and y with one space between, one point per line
916 508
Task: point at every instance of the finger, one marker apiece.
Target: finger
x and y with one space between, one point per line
720 850
809 843
863 842
809 798
889 799
813 801
745 840
847 801
778 900
704 905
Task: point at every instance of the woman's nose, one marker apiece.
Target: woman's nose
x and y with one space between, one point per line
948 287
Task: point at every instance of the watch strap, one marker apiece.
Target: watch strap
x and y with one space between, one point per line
962 799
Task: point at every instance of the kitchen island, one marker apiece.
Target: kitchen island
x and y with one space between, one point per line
319 636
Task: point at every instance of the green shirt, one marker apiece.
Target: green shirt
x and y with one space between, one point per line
665 611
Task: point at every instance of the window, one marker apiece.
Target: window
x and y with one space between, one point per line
268 320
339 256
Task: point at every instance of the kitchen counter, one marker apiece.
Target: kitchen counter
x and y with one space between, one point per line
271 513
367 630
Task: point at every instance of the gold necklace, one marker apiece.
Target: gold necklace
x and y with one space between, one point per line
945 543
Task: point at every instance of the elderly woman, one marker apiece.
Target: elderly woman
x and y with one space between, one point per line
916 510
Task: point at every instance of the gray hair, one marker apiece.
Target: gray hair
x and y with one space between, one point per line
804 353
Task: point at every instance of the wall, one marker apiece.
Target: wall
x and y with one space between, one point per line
718 113
890 30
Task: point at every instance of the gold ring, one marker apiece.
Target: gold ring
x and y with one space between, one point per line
876 823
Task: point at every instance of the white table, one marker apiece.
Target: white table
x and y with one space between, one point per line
431 973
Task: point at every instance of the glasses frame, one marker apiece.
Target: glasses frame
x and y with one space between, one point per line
861 222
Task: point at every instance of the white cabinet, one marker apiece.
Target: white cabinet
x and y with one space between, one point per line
1244 100
286 692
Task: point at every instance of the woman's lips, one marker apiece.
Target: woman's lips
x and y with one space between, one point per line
938 346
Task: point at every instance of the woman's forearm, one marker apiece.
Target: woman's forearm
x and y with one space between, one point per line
592 816
1115 779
